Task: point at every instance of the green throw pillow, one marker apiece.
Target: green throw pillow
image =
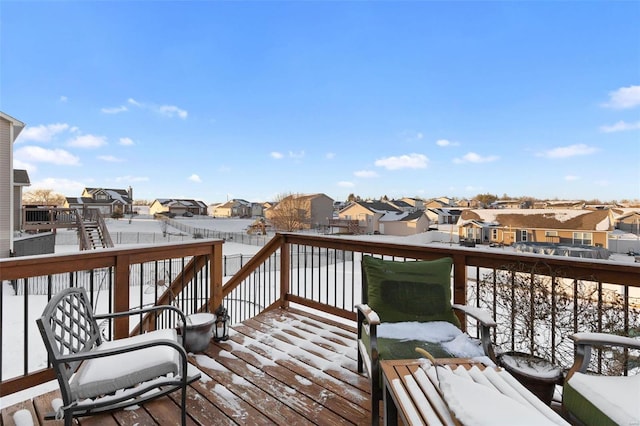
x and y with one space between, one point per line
410 291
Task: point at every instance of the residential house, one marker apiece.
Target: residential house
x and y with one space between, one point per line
509 204
178 207
628 221
107 200
319 208
402 205
10 129
403 224
507 226
443 216
416 203
563 204
233 208
20 180
437 203
367 214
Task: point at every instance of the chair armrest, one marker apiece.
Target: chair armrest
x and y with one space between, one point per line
584 341
142 311
369 314
486 323
100 353
604 339
479 314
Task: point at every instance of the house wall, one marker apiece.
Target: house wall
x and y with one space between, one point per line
321 210
156 207
405 228
509 236
6 187
222 212
17 207
363 215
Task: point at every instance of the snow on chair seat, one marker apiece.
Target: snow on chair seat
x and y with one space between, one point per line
96 375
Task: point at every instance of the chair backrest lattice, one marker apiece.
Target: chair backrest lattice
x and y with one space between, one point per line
69 327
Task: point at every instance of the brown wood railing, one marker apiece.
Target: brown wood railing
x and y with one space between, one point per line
116 279
323 273
537 300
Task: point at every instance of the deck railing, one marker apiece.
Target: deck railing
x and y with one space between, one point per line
537 300
188 275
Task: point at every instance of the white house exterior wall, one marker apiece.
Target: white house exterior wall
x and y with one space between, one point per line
6 187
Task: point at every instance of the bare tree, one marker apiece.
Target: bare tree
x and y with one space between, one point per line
291 213
43 197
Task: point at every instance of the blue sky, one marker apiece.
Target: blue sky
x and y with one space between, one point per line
251 99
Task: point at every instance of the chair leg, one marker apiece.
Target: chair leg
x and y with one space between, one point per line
184 405
375 406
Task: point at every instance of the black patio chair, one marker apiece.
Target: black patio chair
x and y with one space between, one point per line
96 375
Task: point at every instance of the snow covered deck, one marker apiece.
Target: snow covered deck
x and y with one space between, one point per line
283 367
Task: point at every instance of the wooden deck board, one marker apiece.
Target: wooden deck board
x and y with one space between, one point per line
282 367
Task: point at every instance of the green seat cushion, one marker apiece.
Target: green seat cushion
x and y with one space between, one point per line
602 400
409 291
440 338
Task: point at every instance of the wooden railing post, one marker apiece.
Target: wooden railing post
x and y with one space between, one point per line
460 285
121 299
215 277
285 284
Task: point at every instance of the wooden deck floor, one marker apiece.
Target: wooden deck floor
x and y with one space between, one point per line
279 368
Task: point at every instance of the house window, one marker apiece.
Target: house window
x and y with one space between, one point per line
523 235
494 234
551 236
584 238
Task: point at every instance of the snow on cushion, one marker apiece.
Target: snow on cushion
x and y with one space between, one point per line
101 376
410 291
473 403
603 400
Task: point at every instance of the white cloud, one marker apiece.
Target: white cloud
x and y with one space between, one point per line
620 126
346 184
42 133
412 136
446 142
110 159
42 155
571 178
166 110
472 157
132 179
296 154
277 155
63 99
87 141
624 98
59 185
568 151
29 167
330 155
195 178
125 141
410 161
115 110
366 174
172 111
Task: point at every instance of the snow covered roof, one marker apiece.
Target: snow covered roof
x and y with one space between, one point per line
597 220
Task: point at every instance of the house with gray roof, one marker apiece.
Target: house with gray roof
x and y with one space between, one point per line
107 200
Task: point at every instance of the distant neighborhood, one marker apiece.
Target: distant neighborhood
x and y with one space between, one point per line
467 221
